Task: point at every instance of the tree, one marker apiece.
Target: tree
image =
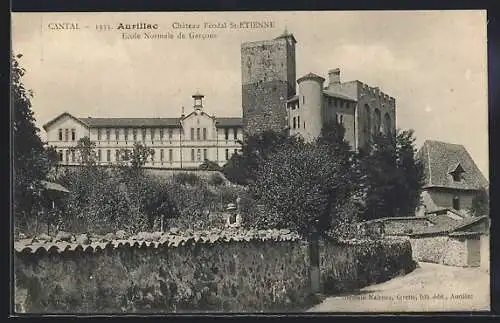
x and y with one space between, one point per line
30 158
132 161
209 165
303 186
86 150
242 168
393 176
480 203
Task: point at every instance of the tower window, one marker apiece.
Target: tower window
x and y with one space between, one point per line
66 134
227 154
198 136
192 133
205 155
73 135
170 155
204 133
294 122
60 135
192 154
298 121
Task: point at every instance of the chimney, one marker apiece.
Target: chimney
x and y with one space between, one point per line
333 77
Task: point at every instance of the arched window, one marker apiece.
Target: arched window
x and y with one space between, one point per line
377 123
368 119
387 124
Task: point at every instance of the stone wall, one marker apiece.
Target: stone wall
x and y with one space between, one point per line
404 226
485 252
348 266
264 106
443 249
243 271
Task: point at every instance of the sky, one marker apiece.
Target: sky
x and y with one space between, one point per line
433 62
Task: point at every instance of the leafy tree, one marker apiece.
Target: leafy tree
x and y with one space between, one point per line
29 156
303 186
86 149
209 165
133 160
393 176
255 149
480 203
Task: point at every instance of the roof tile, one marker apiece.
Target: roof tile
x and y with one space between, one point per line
438 157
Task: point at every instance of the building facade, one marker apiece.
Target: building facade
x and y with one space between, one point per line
452 179
183 142
273 99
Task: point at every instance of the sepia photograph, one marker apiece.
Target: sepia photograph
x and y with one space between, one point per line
249 162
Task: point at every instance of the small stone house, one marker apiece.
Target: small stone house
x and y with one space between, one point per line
452 179
456 242
444 236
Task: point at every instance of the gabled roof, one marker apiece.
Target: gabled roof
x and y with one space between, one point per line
338 95
444 224
50 186
140 122
439 158
64 114
131 122
229 122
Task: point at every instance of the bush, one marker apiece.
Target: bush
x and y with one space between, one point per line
185 178
216 179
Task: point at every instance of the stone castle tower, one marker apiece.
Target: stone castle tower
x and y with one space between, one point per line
268 81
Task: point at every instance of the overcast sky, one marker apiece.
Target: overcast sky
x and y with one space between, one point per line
433 62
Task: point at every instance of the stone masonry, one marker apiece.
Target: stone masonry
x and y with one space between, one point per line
268 80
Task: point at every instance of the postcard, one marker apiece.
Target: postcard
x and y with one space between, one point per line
250 162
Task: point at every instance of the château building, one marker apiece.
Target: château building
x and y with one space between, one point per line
273 99
182 142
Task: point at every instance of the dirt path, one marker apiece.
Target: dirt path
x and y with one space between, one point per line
430 287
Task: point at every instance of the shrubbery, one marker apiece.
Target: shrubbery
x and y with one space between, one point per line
103 200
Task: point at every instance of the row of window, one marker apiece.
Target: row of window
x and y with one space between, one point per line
66 133
296 122
200 133
69 155
337 102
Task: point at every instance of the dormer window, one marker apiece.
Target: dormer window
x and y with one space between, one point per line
457 172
